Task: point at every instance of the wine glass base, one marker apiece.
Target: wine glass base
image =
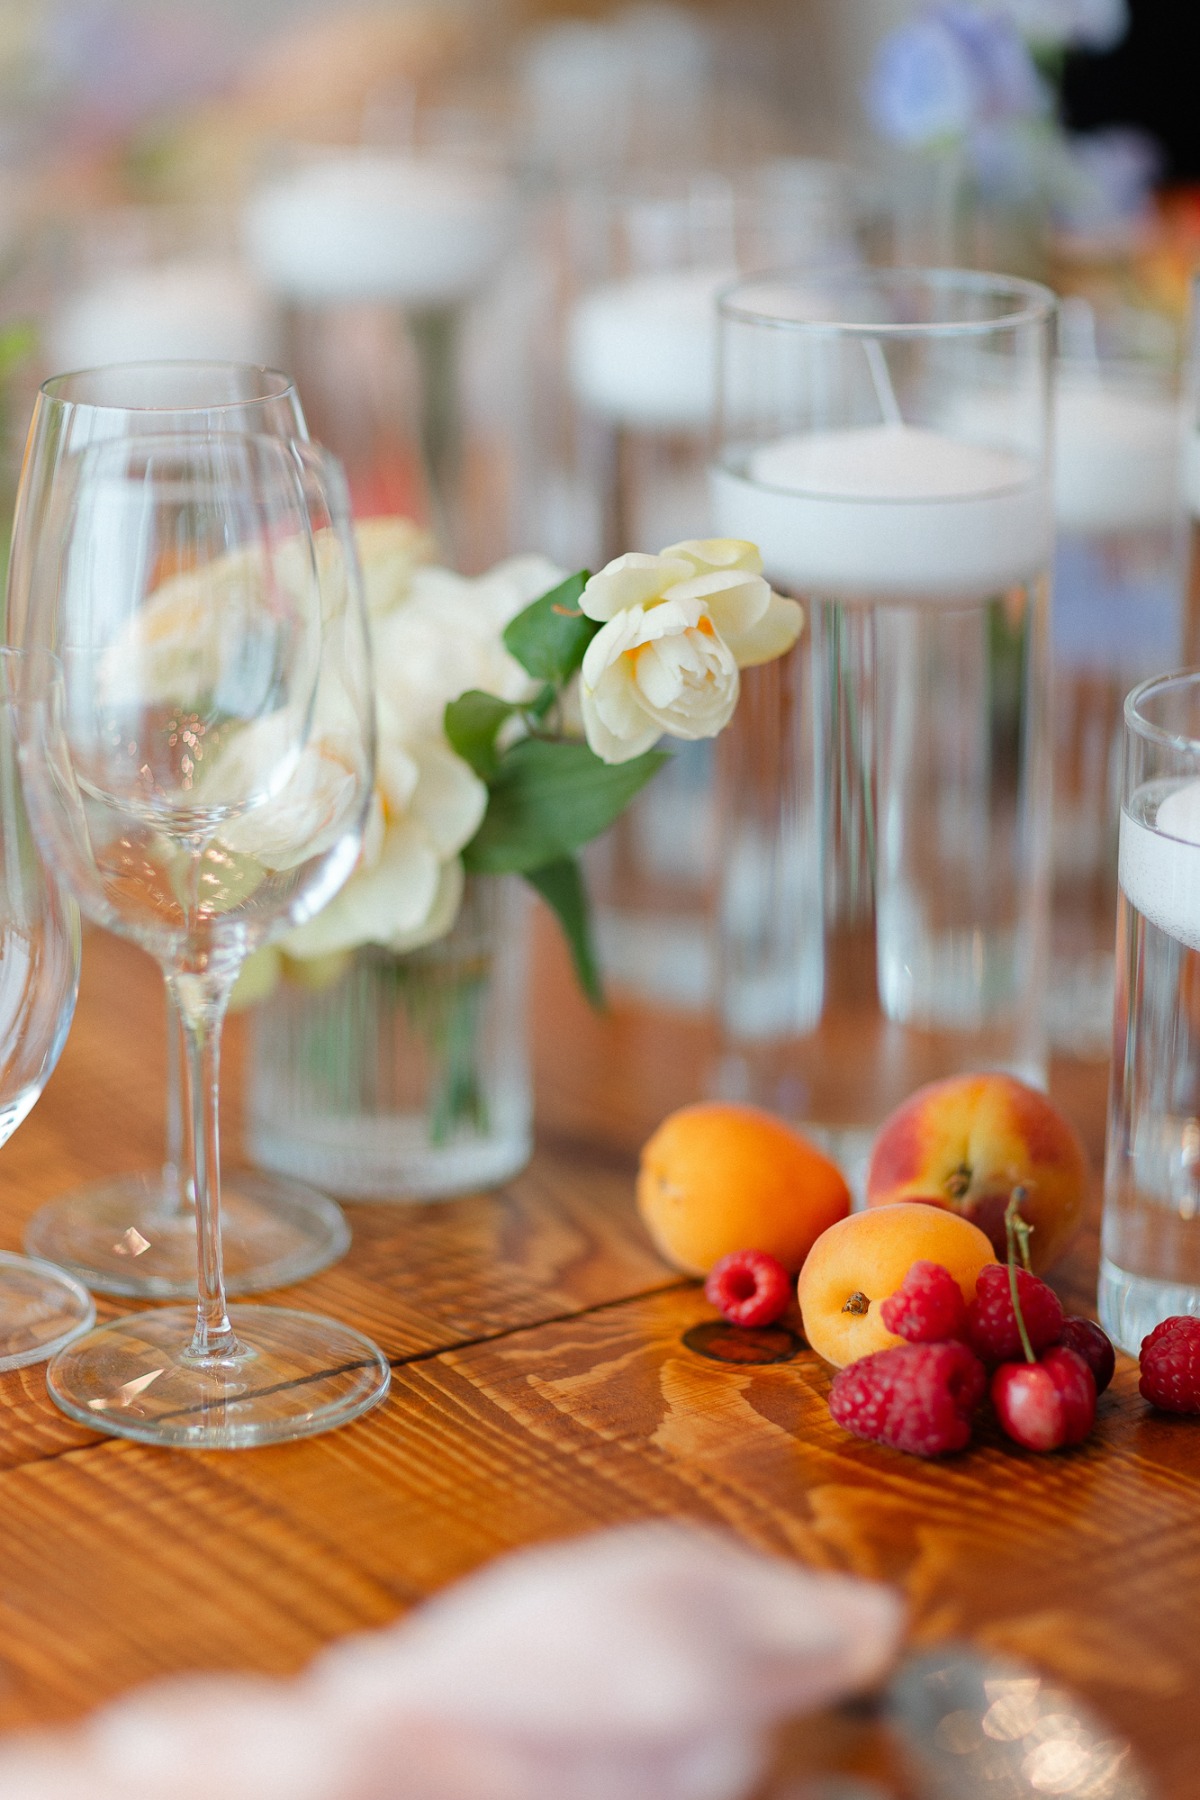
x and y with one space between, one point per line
291 1375
41 1310
129 1235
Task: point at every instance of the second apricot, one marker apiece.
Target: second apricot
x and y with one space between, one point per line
858 1262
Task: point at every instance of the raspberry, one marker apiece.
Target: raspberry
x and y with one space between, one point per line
927 1307
992 1324
748 1287
1170 1363
1086 1339
917 1397
1047 1403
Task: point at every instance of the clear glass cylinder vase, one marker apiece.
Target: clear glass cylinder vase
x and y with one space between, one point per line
408 1076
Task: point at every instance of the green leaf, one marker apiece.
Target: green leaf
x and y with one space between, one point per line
550 637
18 340
561 886
548 799
472 722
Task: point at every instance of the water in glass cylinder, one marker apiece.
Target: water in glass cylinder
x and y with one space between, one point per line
1150 1250
884 843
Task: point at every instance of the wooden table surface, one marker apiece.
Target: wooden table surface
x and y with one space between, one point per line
540 1389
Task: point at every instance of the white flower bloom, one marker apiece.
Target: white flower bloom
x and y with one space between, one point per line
446 638
409 896
390 550
632 580
773 635
438 635
308 815
408 885
708 555
725 574
768 635
655 669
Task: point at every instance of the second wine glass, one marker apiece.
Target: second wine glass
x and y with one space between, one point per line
201 780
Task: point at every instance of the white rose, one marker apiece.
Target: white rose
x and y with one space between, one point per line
654 669
447 638
390 550
407 888
632 580
776 629
726 573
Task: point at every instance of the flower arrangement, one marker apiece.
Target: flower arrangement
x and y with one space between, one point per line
518 714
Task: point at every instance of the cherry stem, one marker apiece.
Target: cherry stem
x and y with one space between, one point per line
1017 1232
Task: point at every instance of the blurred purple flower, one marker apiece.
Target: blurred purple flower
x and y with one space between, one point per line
1105 179
115 63
1084 24
951 69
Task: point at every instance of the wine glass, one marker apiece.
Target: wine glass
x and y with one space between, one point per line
201 780
41 1307
136 1234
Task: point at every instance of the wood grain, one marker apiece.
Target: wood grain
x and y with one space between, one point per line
541 1388
1088 1563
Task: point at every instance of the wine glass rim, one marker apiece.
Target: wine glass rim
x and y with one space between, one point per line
1137 723
275 384
1030 302
299 453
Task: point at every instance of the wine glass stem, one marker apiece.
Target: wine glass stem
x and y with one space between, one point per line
201 1000
177 1194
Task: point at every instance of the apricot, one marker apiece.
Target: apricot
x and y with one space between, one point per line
716 1178
861 1260
967 1142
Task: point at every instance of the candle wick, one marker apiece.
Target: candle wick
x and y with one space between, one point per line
885 393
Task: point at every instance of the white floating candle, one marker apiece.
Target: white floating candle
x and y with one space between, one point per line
642 352
1191 472
1159 867
182 311
363 225
1116 456
888 512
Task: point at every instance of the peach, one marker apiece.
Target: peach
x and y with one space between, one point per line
861 1260
966 1143
716 1178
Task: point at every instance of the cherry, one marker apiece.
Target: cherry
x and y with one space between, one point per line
1047 1403
1087 1339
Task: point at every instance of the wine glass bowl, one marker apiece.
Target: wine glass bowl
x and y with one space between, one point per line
182 775
201 777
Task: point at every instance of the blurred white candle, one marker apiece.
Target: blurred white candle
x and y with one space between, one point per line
1160 865
417 231
642 352
888 512
1116 456
180 311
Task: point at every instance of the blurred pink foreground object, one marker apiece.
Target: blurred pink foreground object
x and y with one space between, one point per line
645 1663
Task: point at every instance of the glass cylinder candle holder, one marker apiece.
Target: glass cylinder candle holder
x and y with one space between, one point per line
641 375
1118 579
883 841
1150 1237
377 254
154 283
